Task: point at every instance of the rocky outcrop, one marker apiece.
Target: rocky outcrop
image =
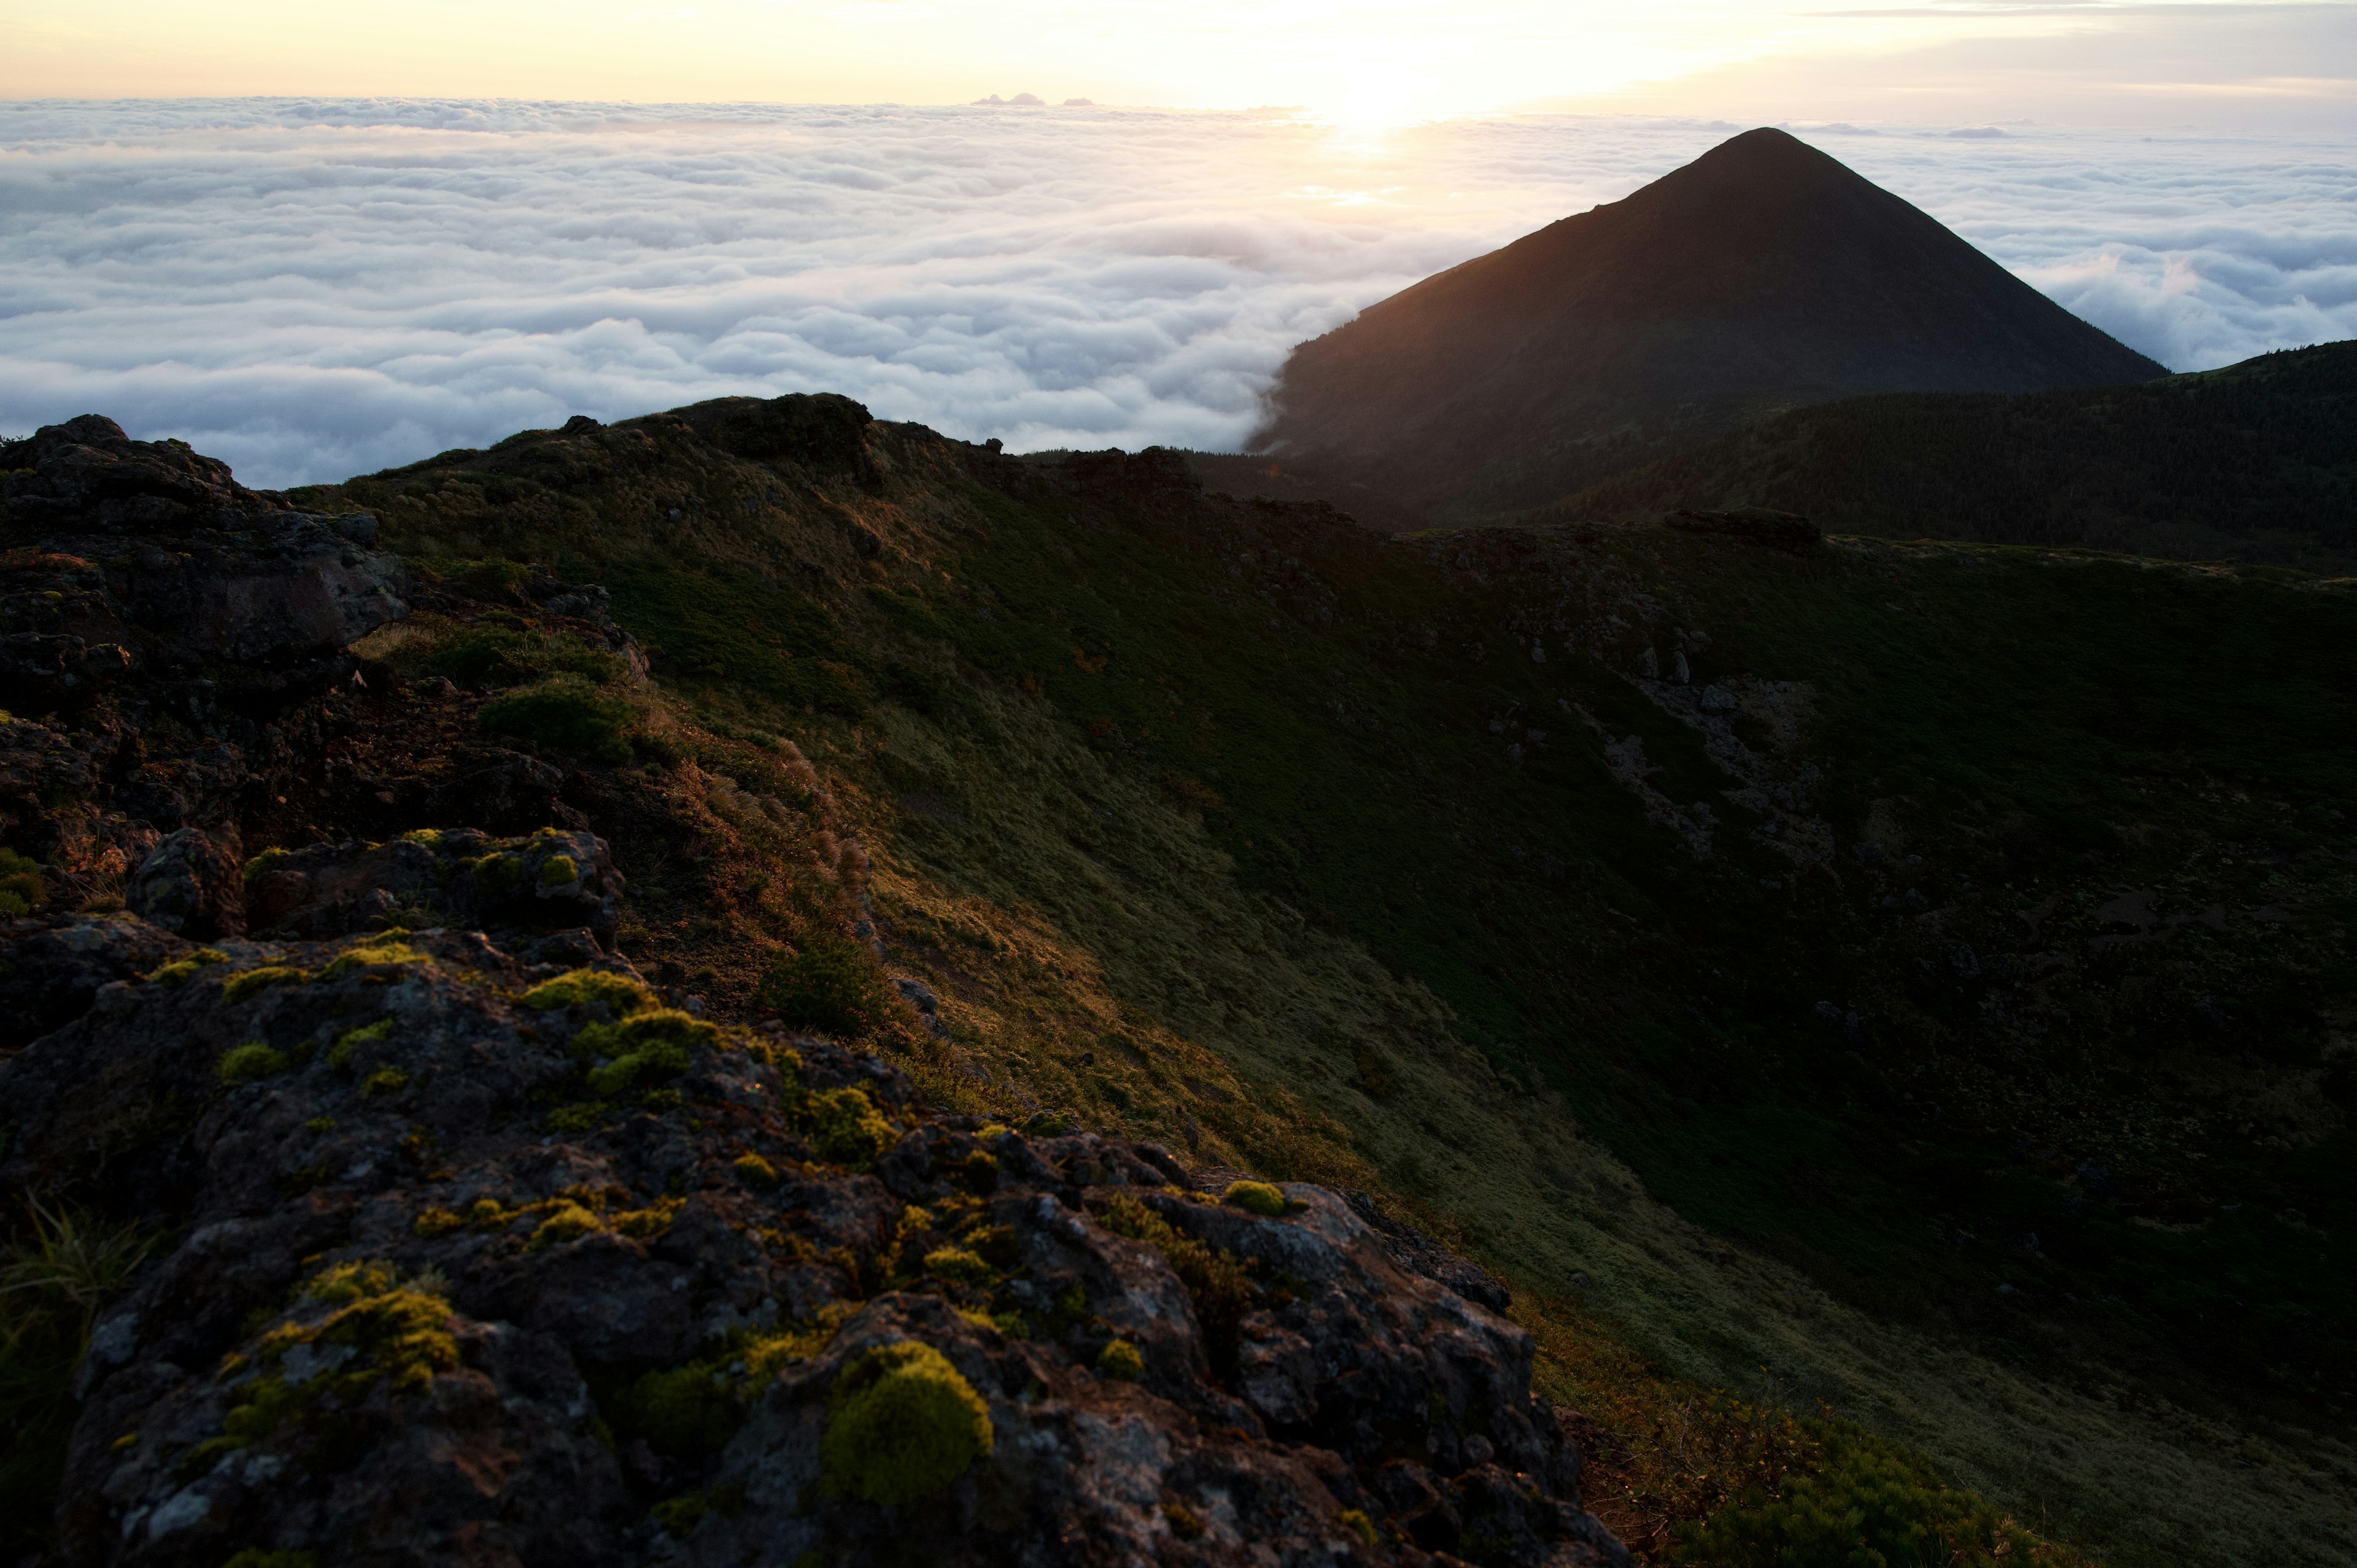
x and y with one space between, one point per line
118 554
471 1246
192 885
478 1259
547 881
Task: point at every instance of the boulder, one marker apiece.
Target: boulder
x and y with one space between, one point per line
192 885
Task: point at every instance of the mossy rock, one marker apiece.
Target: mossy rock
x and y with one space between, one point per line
583 987
249 1063
1258 1198
901 1424
649 1047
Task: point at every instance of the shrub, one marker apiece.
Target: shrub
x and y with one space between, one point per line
1870 1507
831 986
1119 1359
754 1172
846 1127
1356 1521
566 712
495 656
1256 1198
22 891
249 1062
901 1424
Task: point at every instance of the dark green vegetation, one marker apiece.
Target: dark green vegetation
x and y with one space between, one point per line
2015 740
71 1264
2256 462
1965 932
1867 1506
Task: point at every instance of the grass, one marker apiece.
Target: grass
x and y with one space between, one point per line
66 1266
1207 829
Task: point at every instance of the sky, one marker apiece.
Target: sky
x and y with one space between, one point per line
321 240
2244 65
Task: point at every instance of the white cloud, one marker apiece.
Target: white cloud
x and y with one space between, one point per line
312 288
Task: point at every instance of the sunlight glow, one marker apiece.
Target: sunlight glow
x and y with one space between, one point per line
1366 66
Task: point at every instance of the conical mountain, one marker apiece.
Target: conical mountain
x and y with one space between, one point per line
1760 275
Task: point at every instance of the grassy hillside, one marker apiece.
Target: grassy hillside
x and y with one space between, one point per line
2256 462
1935 1004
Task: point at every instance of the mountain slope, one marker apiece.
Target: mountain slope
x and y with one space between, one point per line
1808 973
1760 275
2255 462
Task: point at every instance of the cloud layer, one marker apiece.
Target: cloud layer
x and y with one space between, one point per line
312 289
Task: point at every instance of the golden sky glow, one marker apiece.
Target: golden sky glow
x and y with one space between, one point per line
1368 63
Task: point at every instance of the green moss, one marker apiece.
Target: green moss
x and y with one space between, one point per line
378 949
261 863
398 1334
901 1424
1356 1521
583 987
1257 1198
1120 1359
497 872
646 1048
569 1223
240 986
180 971
1218 1283
248 1063
435 1223
957 1263
650 1221
565 713
754 1172
844 1126
558 870
430 837
385 1080
346 1041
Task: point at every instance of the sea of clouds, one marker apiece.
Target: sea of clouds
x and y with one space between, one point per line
314 288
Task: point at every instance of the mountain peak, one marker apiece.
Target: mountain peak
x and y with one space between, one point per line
1763 275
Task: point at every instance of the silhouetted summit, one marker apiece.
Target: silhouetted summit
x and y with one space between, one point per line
1762 274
